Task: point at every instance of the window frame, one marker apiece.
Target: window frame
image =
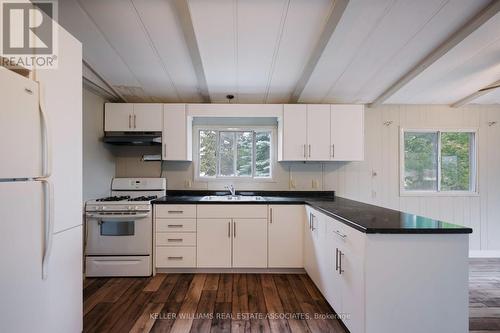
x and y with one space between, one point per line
474 188
273 151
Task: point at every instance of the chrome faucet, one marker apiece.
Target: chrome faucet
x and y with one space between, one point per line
231 189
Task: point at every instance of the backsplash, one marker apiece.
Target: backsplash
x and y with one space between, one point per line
296 176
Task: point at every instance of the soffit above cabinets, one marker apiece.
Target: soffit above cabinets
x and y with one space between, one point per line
257 49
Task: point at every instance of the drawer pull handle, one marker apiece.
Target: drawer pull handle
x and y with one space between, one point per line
175 211
175 258
175 226
340 234
174 239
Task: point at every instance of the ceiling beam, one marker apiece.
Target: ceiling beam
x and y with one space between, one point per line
107 88
458 36
477 94
338 9
184 15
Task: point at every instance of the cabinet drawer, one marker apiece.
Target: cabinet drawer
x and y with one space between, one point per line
175 225
175 239
175 257
232 211
176 211
353 240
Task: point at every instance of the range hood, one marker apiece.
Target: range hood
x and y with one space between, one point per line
132 138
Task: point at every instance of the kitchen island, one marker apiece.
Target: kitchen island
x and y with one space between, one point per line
381 270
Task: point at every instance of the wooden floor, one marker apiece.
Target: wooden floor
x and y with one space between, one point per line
245 303
207 303
484 295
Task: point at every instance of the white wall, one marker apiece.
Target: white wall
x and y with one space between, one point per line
98 161
356 181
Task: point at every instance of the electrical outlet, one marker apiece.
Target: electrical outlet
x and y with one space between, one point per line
292 183
315 183
188 183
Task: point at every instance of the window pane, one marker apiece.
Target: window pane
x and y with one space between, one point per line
244 153
420 161
263 154
456 161
227 153
208 149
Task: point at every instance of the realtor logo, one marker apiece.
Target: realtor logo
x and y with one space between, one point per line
29 34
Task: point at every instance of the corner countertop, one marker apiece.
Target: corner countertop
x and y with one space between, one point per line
364 217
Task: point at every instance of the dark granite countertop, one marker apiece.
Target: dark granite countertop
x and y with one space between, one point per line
363 217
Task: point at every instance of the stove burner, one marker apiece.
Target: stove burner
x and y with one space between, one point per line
115 198
144 198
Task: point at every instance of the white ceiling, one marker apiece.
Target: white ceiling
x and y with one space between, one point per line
257 49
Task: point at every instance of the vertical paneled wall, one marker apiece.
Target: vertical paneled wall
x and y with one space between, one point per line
376 180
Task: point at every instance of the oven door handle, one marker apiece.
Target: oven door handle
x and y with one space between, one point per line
125 217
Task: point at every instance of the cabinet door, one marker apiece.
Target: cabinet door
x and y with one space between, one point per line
147 118
286 234
176 133
294 132
333 289
353 301
250 243
347 133
320 249
118 117
213 243
311 263
318 132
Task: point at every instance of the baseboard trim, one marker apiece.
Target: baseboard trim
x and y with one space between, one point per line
484 254
233 270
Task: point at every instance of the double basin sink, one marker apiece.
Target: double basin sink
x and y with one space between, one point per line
225 198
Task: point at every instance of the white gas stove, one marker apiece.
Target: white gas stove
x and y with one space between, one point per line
119 228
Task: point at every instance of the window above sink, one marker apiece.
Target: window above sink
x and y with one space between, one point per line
228 152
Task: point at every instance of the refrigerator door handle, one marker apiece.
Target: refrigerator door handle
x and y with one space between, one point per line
48 226
47 151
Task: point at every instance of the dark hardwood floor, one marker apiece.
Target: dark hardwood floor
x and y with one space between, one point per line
207 303
245 303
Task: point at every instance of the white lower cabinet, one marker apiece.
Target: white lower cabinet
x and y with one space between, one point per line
334 261
250 243
214 240
232 236
175 236
311 242
286 236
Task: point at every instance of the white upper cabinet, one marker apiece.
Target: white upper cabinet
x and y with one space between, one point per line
321 132
148 117
294 132
130 117
177 133
118 117
318 132
347 132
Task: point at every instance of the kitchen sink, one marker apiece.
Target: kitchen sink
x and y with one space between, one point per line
232 198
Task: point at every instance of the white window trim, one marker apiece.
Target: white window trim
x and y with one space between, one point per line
236 179
475 164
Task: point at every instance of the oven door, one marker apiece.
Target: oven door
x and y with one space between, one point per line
113 233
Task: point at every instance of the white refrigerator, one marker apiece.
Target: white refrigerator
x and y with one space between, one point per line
40 199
